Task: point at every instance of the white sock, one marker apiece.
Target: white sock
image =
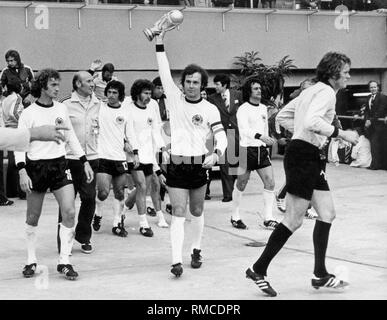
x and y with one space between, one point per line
99 205
160 215
161 223
177 239
118 208
143 221
129 194
268 200
197 226
236 200
31 243
66 243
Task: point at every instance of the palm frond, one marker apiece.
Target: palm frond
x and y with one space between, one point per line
271 77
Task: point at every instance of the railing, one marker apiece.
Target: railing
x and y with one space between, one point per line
320 5
195 5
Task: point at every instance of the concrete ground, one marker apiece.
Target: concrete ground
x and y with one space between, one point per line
138 268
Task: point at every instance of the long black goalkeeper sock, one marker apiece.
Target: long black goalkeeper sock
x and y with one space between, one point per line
276 241
320 243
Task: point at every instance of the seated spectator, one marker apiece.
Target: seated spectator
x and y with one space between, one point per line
168 2
357 5
309 4
370 5
144 2
268 3
361 153
245 4
326 5
353 4
222 3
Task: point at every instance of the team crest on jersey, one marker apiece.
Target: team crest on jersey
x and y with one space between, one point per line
120 120
149 121
59 121
95 122
263 117
197 119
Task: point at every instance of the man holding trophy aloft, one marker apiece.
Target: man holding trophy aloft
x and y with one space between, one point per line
191 119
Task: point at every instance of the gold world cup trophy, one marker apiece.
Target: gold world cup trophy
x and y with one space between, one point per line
167 22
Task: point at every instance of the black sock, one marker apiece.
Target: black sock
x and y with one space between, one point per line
276 241
320 243
162 193
282 193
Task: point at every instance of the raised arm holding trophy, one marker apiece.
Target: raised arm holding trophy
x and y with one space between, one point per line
167 22
191 120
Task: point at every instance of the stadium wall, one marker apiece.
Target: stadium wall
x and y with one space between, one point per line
71 37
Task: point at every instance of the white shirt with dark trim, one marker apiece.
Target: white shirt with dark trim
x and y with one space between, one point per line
113 129
252 119
37 115
310 115
146 128
190 121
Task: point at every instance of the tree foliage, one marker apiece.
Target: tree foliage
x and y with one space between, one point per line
271 77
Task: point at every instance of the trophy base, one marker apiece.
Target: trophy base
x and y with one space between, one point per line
148 34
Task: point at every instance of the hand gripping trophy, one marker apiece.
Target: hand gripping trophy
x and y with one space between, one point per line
167 22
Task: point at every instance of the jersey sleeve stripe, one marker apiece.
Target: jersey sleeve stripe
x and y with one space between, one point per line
215 123
219 130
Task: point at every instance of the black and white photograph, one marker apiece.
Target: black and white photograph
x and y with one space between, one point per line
193 157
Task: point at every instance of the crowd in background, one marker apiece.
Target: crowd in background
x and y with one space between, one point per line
370 123
357 5
371 152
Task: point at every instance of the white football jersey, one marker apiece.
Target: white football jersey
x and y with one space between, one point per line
38 115
191 122
113 130
146 128
252 119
